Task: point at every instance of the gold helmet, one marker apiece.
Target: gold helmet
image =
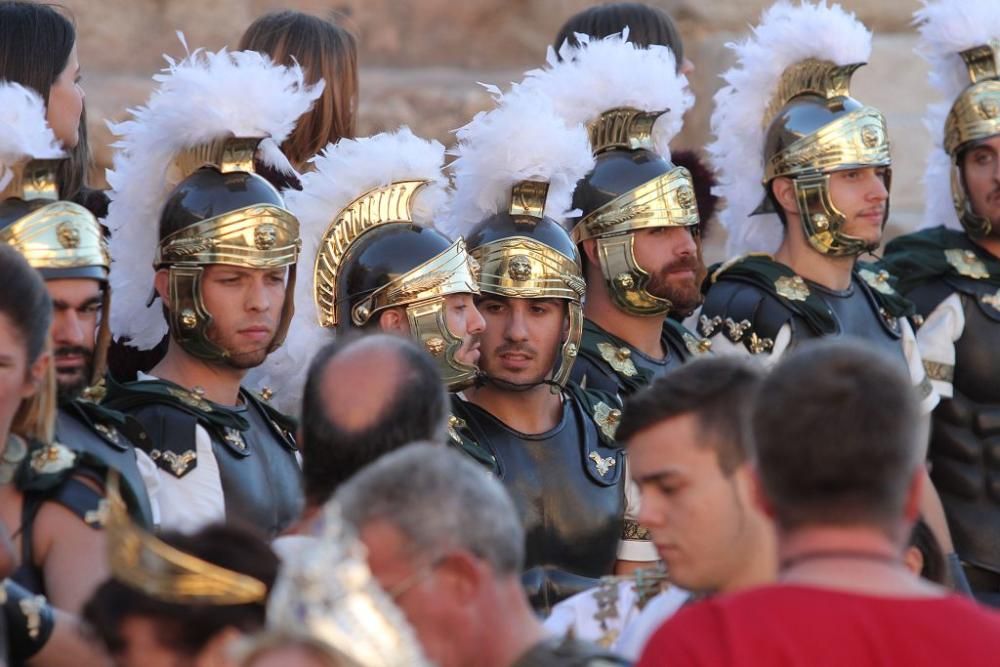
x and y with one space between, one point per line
960 37
189 159
786 111
59 238
632 101
375 254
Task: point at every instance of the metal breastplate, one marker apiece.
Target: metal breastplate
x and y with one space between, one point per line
858 316
965 440
261 478
572 515
112 448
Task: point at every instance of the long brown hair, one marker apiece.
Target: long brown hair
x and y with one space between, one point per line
25 302
325 51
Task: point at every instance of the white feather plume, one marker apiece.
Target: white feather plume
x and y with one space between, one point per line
24 132
343 172
603 74
786 35
521 139
205 96
948 27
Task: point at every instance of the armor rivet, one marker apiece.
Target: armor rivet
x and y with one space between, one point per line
519 268
615 416
571 350
435 345
623 353
821 221
188 319
361 314
625 281
265 236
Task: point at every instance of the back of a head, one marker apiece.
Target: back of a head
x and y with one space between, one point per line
646 25
718 391
838 437
438 499
325 51
187 628
344 429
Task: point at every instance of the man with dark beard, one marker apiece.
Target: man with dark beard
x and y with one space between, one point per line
223 267
636 211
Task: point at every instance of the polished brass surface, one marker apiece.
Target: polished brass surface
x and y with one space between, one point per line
255 237
854 140
528 198
391 203
810 76
451 272
666 201
141 561
623 128
59 235
429 328
521 267
626 280
33 180
822 221
231 154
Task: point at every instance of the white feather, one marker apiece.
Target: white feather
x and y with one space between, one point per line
603 74
785 35
343 172
948 27
521 139
206 96
24 132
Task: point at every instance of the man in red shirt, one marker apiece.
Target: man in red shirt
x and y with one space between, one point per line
839 445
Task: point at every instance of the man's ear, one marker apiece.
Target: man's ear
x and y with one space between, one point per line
590 251
463 575
162 284
759 496
783 190
393 320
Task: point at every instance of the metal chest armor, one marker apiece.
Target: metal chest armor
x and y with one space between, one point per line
76 429
573 522
607 363
252 444
965 436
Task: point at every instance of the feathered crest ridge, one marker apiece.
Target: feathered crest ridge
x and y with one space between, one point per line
24 132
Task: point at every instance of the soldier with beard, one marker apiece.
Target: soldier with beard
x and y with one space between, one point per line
951 271
550 441
222 265
66 244
636 215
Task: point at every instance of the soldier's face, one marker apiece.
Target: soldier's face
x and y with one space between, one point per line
700 519
522 338
861 195
670 256
464 321
76 313
981 171
246 307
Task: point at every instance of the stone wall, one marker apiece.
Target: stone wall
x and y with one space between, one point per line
421 59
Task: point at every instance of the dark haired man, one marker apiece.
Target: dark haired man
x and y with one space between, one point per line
844 508
364 398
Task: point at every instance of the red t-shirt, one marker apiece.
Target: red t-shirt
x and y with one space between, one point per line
786 625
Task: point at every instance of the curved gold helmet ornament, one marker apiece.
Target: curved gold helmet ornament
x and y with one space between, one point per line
374 256
145 563
59 238
813 128
974 116
222 213
524 255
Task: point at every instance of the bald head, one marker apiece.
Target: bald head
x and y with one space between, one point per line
365 397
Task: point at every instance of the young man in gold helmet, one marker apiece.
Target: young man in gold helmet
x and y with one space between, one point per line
549 441
951 272
635 213
221 261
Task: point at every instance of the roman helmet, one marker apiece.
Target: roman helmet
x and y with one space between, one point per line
787 111
378 249
632 101
59 238
960 36
190 159
515 170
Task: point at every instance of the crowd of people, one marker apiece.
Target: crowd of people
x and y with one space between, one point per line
286 396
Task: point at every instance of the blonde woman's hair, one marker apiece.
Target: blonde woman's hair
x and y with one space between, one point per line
35 418
325 51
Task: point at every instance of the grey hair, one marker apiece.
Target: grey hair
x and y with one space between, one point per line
438 499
